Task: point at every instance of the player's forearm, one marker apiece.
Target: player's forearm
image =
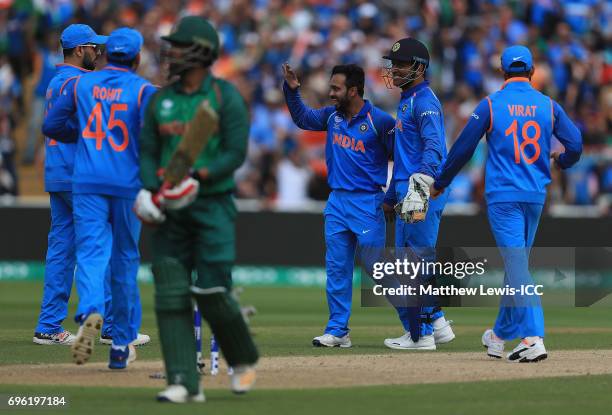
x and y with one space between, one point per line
225 164
459 155
148 173
432 157
149 161
302 115
57 125
569 135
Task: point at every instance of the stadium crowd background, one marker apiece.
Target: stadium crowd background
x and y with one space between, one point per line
285 166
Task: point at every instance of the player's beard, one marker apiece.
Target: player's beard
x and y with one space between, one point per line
89 63
342 104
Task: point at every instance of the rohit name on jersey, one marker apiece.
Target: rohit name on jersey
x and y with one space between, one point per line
106 94
516 110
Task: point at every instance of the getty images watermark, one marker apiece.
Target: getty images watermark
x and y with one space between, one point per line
486 276
406 269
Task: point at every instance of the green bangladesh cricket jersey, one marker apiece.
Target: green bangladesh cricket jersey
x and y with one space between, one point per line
171 109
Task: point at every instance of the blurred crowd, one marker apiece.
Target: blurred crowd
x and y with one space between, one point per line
285 166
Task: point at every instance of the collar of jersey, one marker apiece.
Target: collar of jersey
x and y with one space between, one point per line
203 88
66 66
413 90
363 112
118 67
516 81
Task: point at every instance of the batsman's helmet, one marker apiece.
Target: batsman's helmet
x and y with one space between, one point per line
197 41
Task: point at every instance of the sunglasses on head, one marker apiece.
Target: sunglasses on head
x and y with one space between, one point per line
97 48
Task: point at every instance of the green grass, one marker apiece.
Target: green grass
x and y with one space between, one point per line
287 320
587 395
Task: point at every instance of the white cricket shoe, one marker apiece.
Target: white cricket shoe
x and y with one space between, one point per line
493 344
528 351
443 332
243 378
64 338
141 340
179 394
329 340
405 343
83 345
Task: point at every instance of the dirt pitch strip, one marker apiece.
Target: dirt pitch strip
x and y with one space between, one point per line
331 371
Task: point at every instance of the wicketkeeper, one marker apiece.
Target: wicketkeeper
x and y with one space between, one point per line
195 234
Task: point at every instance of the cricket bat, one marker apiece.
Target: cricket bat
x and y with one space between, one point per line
198 131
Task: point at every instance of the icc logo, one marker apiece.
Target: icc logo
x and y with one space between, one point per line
363 128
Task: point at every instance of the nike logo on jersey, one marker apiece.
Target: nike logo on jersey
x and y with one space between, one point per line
366 231
522 110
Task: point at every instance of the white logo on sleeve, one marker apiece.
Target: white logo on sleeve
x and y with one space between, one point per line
366 231
429 113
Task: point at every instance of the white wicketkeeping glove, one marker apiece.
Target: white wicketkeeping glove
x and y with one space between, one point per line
181 195
146 209
413 208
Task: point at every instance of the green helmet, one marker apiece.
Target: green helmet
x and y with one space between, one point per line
198 41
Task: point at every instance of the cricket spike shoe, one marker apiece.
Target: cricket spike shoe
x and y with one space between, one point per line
141 340
329 340
120 359
243 378
179 394
64 338
529 350
405 342
493 344
443 332
83 345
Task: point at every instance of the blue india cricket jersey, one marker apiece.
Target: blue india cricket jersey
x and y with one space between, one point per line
519 122
109 105
356 150
59 157
420 144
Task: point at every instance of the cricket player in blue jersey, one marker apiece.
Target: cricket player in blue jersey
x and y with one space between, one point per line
420 150
519 123
359 142
109 105
80 45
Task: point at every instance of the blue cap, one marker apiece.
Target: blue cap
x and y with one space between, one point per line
80 34
515 54
123 44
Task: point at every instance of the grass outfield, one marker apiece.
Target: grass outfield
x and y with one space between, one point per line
287 320
558 396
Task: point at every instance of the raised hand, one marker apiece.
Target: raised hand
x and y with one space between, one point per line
290 76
